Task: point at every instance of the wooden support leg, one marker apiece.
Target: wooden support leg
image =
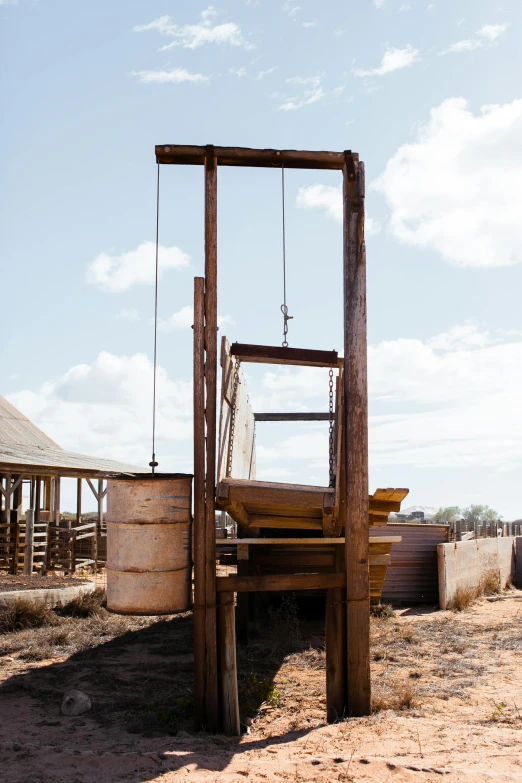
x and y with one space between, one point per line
199 503
335 655
228 665
356 435
242 598
211 674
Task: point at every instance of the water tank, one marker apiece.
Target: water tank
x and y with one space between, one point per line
149 562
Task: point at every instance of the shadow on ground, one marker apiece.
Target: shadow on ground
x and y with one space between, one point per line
140 684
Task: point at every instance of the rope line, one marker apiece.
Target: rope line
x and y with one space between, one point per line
153 464
284 308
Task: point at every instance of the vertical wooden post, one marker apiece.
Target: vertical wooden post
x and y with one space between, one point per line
29 542
79 487
228 665
37 500
99 520
212 707
199 502
242 611
356 433
335 654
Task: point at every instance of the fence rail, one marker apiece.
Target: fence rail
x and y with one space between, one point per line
462 530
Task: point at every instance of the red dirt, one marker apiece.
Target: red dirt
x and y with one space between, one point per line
447 688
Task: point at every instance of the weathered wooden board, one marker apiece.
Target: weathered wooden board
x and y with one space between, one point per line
243 448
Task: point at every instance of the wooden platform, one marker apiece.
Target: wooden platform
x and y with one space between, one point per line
262 504
277 560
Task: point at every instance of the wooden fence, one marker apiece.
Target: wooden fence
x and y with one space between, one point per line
461 530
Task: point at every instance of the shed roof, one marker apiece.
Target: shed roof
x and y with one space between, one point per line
24 448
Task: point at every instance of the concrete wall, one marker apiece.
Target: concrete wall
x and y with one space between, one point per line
464 564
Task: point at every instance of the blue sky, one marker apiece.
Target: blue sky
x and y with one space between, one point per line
427 93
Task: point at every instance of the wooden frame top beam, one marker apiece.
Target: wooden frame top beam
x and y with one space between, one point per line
188 155
277 354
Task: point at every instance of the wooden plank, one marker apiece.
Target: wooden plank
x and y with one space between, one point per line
393 494
335 641
199 502
211 685
285 523
279 582
356 429
243 462
292 495
276 354
228 665
324 416
319 541
241 156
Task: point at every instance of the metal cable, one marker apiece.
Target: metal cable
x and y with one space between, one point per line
153 464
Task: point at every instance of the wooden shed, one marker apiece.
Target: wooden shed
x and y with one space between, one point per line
42 538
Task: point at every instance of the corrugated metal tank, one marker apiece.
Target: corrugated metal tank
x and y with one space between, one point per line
149 562
412 577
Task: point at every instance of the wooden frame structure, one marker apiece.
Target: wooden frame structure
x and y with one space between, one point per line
348 620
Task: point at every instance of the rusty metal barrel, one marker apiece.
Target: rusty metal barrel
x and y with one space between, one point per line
149 562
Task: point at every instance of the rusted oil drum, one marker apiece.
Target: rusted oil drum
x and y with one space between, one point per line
149 562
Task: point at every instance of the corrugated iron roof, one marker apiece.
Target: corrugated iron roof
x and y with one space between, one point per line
23 444
16 429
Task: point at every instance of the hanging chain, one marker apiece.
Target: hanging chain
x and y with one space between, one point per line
235 387
331 430
284 308
153 464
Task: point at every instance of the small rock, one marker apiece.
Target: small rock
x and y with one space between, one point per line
75 703
183 734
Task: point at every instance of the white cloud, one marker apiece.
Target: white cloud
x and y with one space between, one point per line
312 93
492 31
485 37
127 315
457 188
266 72
405 7
192 36
392 60
118 273
291 9
184 318
461 391
329 199
312 23
104 409
379 3
174 76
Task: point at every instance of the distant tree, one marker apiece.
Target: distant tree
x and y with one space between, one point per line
446 515
479 513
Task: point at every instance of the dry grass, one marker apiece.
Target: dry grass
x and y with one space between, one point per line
393 693
466 596
22 614
84 605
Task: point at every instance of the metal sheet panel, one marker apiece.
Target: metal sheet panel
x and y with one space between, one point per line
412 576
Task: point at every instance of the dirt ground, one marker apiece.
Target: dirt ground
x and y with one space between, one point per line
9 583
446 691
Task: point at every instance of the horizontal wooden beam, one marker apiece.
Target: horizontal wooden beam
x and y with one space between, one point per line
324 416
306 541
276 354
189 155
278 582
285 523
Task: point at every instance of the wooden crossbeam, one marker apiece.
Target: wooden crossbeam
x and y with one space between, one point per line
276 354
189 155
323 416
278 582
